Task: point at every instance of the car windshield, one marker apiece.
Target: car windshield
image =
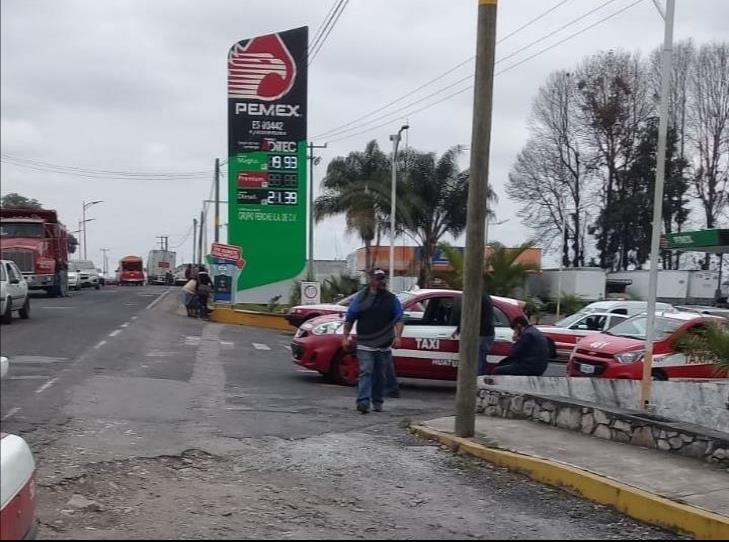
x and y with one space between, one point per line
635 327
21 229
567 322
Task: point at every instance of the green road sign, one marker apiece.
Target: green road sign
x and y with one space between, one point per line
716 241
267 184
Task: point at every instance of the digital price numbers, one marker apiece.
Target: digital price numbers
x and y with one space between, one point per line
283 180
286 162
268 197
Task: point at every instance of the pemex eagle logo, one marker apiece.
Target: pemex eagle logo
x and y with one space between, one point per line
261 69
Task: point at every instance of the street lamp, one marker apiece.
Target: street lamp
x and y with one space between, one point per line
86 205
395 138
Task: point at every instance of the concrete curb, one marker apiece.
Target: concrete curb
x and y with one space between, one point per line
636 503
226 315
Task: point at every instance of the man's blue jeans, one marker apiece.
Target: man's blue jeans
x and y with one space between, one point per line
372 368
484 347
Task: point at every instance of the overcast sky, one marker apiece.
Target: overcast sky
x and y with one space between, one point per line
141 86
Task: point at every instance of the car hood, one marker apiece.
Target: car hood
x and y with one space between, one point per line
322 320
609 344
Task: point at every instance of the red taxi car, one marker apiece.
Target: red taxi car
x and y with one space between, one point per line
427 349
17 489
618 353
301 313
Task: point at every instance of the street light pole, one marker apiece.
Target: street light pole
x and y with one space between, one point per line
83 218
476 219
395 138
668 16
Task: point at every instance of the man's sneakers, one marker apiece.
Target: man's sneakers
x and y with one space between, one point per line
378 408
363 408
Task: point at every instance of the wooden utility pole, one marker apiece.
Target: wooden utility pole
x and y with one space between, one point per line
475 219
194 241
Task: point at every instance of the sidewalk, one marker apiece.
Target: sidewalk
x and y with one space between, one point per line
694 494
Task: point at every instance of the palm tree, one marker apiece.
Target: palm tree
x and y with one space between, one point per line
357 187
336 287
709 343
432 202
502 273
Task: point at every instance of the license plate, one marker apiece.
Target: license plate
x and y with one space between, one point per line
587 369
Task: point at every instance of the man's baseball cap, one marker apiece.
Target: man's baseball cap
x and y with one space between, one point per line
378 274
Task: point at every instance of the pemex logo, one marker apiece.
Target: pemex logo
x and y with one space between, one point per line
260 69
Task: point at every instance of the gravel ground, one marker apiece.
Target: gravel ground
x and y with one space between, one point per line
377 483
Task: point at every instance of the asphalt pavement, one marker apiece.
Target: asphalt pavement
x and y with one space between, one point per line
171 427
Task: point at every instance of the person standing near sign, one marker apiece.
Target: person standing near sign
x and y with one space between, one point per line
378 314
204 289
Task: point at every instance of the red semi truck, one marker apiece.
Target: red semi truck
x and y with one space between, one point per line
38 243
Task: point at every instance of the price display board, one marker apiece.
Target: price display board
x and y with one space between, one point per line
267 108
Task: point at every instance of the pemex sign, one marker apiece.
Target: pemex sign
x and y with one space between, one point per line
267 184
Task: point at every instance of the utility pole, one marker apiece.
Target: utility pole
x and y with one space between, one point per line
646 387
194 239
200 238
163 242
105 262
313 160
217 200
476 219
395 138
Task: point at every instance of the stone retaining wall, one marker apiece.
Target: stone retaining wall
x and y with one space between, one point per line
608 423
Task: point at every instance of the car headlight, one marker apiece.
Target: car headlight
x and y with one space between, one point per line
327 328
630 357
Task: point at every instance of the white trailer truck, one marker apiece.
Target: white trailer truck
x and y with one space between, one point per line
160 267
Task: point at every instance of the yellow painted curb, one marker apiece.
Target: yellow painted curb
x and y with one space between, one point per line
634 502
225 315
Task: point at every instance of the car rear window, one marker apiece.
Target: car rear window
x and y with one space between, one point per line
635 327
2 273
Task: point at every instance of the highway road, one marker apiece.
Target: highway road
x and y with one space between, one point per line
177 428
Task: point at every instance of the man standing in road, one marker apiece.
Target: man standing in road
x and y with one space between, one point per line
378 314
486 333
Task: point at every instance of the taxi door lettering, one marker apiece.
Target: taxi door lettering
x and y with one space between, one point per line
427 344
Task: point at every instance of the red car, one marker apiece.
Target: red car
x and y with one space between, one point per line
427 351
17 489
618 353
301 313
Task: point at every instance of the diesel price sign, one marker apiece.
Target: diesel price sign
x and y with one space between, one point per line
267 188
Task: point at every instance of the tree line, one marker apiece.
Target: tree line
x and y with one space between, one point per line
586 174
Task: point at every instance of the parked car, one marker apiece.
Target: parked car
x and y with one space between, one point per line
74 279
428 349
618 352
88 275
302 313
17 484
13 292
705 309
592 319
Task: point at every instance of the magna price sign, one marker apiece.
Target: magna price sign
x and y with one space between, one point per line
267 188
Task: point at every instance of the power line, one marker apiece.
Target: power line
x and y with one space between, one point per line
442 75
469 87
325 34
325 22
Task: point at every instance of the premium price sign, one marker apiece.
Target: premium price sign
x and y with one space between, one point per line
267 188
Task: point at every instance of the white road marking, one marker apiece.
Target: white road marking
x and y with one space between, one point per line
64 308
134 317
47 385
153 303
260 346
192 340
12 412
125 324
100 344
29 377
307 371
115 333
287 348
35 360
131 304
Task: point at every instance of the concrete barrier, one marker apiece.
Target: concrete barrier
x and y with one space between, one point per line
227 315
704 403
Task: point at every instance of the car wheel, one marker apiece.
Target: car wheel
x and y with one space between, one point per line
25 309
345 369
7 318
659 375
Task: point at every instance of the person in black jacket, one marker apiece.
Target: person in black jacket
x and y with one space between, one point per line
530 353
486 333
